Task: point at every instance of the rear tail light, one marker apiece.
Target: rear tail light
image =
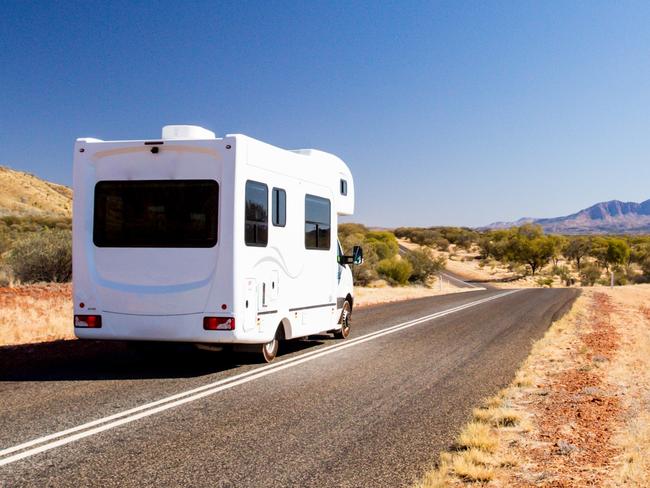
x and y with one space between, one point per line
219 323
88 321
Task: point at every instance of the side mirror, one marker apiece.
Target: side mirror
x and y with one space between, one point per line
357 255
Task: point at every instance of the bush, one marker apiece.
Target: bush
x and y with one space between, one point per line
383 242
441 244
46 256
645 267
621 276
545 281
395 269
424 265
589 274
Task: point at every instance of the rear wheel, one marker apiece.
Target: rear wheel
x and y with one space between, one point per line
346 315
270 349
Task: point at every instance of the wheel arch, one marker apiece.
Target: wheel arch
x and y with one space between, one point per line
286 328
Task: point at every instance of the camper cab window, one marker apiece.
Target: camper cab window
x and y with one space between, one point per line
156 213
317 222
279 207
257 214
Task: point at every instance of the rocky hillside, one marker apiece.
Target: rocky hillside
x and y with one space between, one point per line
614 217
23 194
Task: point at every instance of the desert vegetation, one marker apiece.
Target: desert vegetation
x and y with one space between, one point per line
526 251
35 249
383 261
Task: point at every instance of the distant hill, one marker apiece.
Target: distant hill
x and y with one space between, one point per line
23 194
614 217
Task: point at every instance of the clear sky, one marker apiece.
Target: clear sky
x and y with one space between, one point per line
448 113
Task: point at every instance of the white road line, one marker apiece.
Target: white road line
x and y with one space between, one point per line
112 421
449 277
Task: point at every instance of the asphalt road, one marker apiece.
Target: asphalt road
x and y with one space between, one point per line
371 411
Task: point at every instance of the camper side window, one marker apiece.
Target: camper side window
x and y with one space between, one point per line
317 222
344 187
279 207
257 214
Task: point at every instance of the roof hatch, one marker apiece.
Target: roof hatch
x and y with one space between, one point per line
186 132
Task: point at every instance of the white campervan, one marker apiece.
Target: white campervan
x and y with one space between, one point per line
194 238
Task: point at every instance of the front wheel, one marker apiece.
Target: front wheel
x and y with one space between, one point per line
346 315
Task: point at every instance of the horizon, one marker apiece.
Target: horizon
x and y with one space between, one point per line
447 114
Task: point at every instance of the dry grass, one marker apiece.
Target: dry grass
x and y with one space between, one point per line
35 313
365 296
473 465
478 435
24 194
631 373
497 416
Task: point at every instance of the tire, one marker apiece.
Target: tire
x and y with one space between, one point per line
346 316
270 349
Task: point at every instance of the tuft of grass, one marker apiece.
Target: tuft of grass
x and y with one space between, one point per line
523 379
497 417
495 401
478 435
467 468
435 479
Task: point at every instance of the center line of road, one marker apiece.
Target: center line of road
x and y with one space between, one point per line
88 429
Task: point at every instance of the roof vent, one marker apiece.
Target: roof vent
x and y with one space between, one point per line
186 132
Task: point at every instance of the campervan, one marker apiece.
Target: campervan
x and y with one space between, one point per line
209 240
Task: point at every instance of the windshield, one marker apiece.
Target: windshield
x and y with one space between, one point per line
154 213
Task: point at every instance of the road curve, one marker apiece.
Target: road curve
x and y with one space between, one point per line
373 413
455 279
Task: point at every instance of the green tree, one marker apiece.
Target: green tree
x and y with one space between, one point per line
577 248
618 252
532 249
557 243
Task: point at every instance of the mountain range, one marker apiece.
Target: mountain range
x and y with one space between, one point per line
24 194
613 217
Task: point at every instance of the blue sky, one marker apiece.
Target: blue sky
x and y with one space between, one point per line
448 113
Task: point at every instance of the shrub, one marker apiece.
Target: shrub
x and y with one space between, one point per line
441 244
384 243
545 281
46 256
645 267
424 265
589 274
365 273
395 269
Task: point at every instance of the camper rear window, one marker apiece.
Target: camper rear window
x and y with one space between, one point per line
156 213
317 222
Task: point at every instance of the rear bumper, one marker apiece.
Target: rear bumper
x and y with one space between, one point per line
168 328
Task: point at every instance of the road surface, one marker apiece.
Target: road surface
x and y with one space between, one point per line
373 410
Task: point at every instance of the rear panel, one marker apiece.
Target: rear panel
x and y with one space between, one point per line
178 260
